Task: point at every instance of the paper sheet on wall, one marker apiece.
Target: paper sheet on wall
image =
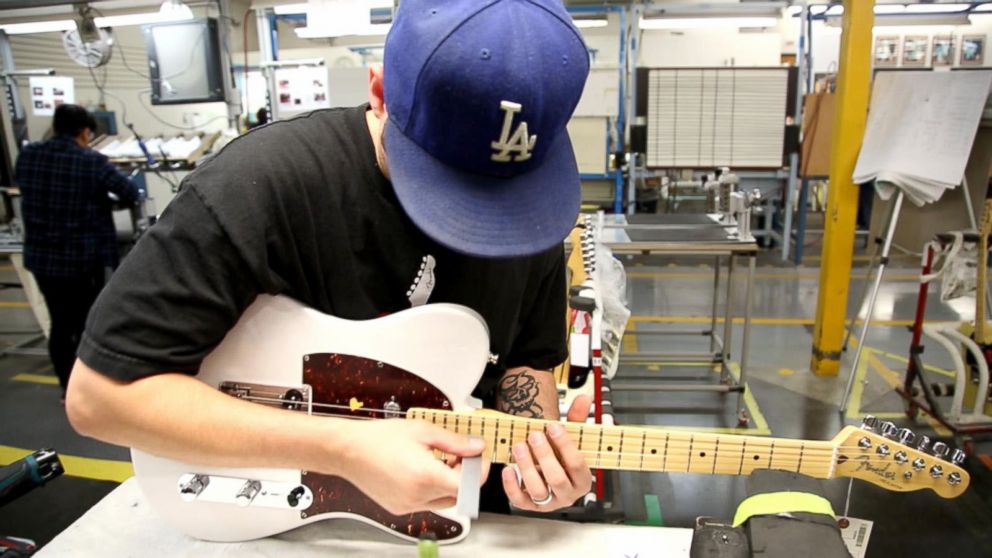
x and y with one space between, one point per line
920 131
301 89
50 92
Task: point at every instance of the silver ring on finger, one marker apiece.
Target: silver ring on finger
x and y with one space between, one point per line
544 501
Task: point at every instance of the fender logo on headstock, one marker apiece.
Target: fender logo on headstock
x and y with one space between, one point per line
883 472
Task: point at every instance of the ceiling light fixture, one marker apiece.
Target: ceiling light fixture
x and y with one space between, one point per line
707 22
171 10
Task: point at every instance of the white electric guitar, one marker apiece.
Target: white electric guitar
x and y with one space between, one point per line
422 364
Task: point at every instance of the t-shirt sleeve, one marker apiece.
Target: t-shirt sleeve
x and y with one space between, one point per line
173 299
541 343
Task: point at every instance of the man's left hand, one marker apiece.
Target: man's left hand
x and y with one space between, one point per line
550 461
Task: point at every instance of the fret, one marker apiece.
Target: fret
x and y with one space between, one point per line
716 451
457 420
740 470
644 440
509 445
664 454
703 454
728 455
787 458
688 463
599 450
771 454
799 464
620 451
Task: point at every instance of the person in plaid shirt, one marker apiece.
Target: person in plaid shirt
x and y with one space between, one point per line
70 240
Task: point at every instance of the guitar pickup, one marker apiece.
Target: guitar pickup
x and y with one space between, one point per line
243 492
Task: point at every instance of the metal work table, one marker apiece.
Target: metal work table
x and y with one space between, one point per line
122 524
689 235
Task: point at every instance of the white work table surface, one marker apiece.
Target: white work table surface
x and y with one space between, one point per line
123 525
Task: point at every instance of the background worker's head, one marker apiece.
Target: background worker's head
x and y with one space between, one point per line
74 121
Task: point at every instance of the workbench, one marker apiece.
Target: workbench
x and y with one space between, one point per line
695 235
123 524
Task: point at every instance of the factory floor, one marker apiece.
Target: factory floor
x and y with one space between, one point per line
784 399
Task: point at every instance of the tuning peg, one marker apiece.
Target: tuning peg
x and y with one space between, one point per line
869 423
889 430
923 444
940 449
906 436
958 457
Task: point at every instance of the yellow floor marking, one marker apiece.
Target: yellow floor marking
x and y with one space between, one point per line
888 278
14 305
37 379
630 341
927 367
654 367
760 321
6 268
83 467
786 371
894 380
857 390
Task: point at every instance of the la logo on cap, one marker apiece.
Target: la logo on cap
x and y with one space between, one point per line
520 142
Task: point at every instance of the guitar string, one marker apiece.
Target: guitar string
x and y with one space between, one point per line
608 437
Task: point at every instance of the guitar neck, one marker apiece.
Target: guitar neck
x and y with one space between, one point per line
645 449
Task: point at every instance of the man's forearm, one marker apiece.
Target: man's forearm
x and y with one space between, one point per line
528 393
179 417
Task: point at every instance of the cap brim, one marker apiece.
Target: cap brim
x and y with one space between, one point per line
483 215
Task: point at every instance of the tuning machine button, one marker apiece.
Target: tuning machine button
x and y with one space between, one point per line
247 493
905 436
940 449
936 471
869 423
882 449
919 464
954 479
923 443
889 430
900 457
958 457
864 443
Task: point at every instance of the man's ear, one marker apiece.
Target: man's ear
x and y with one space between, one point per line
376 95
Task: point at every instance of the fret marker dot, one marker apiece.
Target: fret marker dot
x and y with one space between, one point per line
702 454
755 457
502 440
609 448
654 451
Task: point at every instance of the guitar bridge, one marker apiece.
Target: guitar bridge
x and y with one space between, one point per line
244 492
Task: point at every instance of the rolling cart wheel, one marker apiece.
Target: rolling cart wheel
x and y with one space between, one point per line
743 420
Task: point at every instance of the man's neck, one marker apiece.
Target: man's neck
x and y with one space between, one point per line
375 132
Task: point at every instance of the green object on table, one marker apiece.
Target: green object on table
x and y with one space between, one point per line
427 547
653 508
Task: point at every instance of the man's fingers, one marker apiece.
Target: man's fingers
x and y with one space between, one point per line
551 469
441 503
513 491
457 444
579 411
569 458
532 479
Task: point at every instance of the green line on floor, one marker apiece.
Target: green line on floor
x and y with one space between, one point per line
83 467
652 507
36 379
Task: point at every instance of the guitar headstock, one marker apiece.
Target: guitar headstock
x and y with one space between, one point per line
896 459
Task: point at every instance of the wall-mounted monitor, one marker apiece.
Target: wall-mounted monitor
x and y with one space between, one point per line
184 62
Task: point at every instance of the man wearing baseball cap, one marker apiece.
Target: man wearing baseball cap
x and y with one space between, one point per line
456 183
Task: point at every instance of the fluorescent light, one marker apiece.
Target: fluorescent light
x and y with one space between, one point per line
983 8
328 32
176 11
288 9
707 22
39 27
588 23
883 9
817 9
836 10
935 8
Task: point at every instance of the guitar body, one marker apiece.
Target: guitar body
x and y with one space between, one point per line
284 354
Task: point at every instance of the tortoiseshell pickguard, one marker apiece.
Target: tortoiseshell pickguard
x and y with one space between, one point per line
357 387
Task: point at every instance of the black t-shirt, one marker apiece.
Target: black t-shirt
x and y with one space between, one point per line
300 208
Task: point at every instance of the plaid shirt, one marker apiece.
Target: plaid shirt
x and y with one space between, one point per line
68 221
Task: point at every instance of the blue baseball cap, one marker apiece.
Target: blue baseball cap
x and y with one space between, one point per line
478 95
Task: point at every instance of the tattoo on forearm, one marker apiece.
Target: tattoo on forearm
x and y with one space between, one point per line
517 395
